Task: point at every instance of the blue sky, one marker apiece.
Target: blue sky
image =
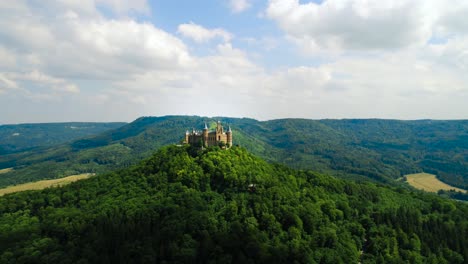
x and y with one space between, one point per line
116 60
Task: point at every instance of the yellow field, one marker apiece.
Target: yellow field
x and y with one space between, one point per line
5 170
428 182
39 185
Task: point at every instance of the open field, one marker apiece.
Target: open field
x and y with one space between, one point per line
428 182
5 170
39 185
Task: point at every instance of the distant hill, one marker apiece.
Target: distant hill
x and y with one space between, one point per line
379 150
183 205
17 138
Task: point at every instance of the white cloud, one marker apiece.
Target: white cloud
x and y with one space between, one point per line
365 25
238 6
138 44
42 80
83 44
124 6
451 18
6 83
8 59
200 34
119 68
386 87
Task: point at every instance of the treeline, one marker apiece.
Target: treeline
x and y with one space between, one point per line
457 195
24 137
214 206
368 149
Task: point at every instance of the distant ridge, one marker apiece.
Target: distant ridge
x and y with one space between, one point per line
21 137
361 149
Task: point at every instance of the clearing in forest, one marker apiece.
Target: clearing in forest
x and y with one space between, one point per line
429 182
5 170
39 185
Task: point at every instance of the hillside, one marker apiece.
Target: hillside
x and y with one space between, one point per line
16 138
380 150
183 205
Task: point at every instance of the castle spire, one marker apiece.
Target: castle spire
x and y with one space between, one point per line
229 129
206 127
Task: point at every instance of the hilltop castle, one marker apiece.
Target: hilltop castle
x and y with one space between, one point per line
208 138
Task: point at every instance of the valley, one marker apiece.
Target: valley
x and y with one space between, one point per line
326 191
26 137
359 149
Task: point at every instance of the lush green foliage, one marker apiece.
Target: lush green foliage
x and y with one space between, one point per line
226 206
15 138
453 195
381 150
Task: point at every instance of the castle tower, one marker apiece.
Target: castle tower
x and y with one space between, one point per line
219 131
229 137
205 136
187 137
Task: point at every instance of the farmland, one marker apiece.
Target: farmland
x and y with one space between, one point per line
39 185
5 170
428 182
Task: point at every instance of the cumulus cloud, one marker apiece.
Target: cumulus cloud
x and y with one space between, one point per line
137 44
451 18
200 34
366 25
238 6
36 84
42 79
85 46
118 68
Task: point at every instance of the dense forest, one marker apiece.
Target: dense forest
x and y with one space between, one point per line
24 137
379 150
185 205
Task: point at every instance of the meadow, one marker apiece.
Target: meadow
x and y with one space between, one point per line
39 185
429 182
2 171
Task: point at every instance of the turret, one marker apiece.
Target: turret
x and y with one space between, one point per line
219 128
229 137
205 136
187 137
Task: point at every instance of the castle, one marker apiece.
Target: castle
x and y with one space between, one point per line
208 138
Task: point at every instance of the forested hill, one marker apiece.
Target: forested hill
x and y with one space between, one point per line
184 205
381 150
16 138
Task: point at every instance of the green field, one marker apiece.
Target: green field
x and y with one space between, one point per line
5 170
39 185
429 182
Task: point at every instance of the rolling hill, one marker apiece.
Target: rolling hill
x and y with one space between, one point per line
380 150
183 205
22 137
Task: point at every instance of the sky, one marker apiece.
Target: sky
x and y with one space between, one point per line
117 60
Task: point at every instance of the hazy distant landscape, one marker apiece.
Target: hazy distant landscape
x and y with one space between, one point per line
379 150
23 137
